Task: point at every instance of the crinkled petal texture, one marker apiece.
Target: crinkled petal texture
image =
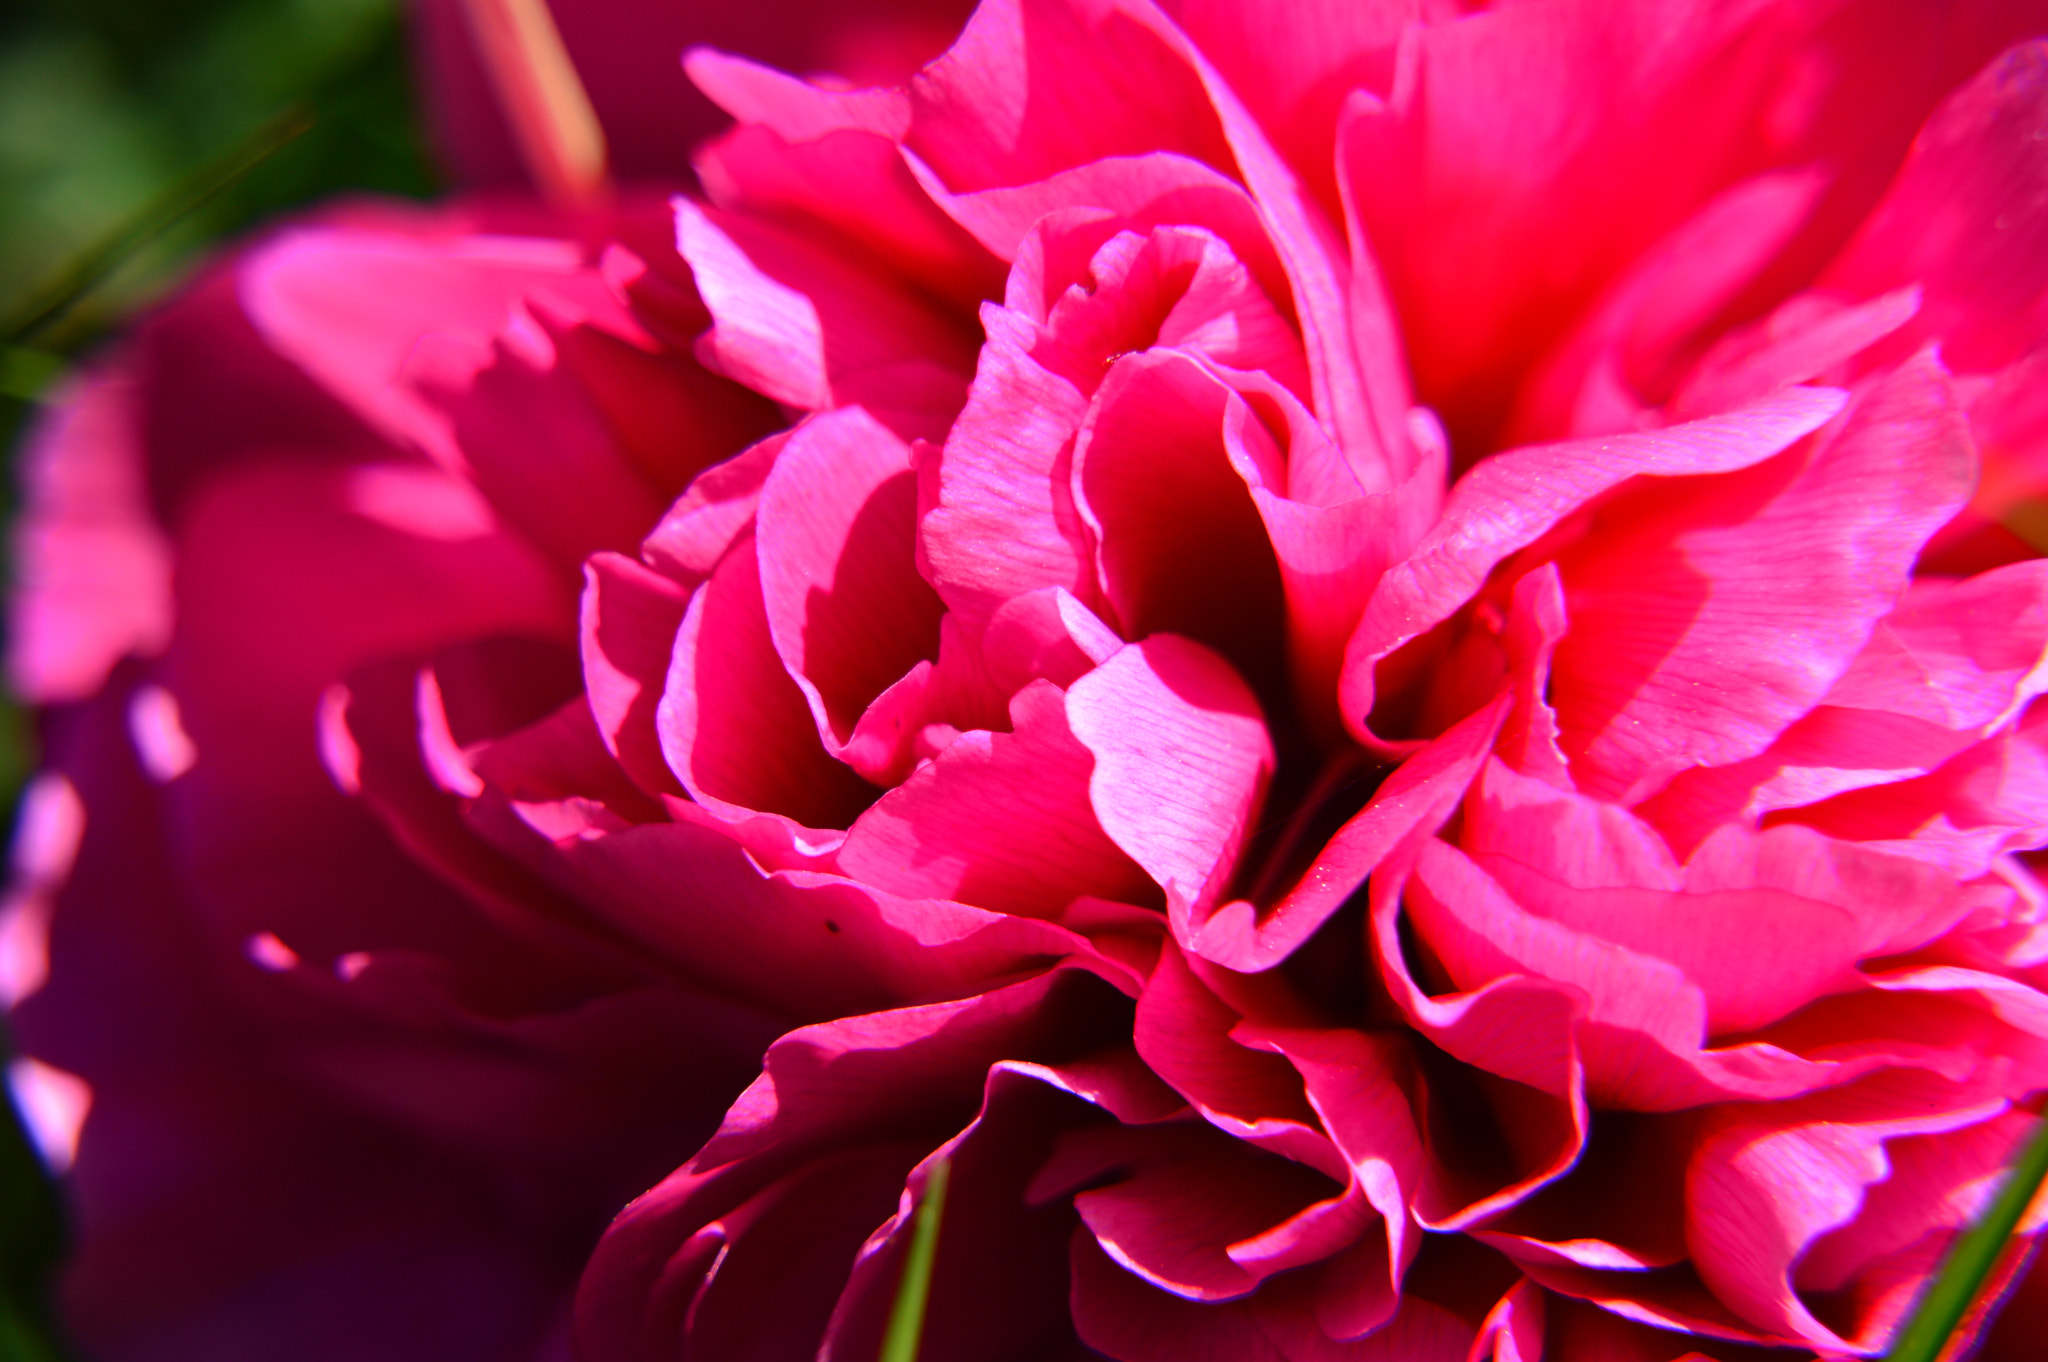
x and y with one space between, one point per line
1382 672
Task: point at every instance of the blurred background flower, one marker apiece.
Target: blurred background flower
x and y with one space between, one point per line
114 114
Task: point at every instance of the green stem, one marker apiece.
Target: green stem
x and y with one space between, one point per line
906 1317
1973 1256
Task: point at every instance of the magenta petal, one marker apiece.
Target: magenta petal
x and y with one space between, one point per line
1141 192
800 943
1005 523
1181 762
1120 1313
846 608
1036 86
1745 1235
1961 218
1045 633
1966 655
734 727
1607 375
712 513
1185 1032
1181 549
1762 922
1002 820
1685 647
788 106
348 305
1413 803
1510 500
1190 1195
630 618
93 575
537 444
812 329
1810 336
854 183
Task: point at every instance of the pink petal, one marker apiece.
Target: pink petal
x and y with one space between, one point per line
1761 922
630 618
1413 803
1510 500
998 819
93 580
800 943
1762 1188
1186 1033
1181 761
1004 523
1188 1196
1033 87
348 305
1181 546
1809 336
853 183
1961 218
734 727
711 514
1119 1313
834 535
1518 1029
1140 192
1606 375
813 329
1687 648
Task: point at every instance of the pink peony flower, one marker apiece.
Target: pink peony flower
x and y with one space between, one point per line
1380 668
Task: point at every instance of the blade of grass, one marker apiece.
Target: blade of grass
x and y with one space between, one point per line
906 1317
89 267
1973 1256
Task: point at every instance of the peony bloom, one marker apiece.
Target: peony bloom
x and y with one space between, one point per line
1380 668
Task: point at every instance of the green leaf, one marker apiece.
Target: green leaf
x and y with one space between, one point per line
906 1317
1973 1256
